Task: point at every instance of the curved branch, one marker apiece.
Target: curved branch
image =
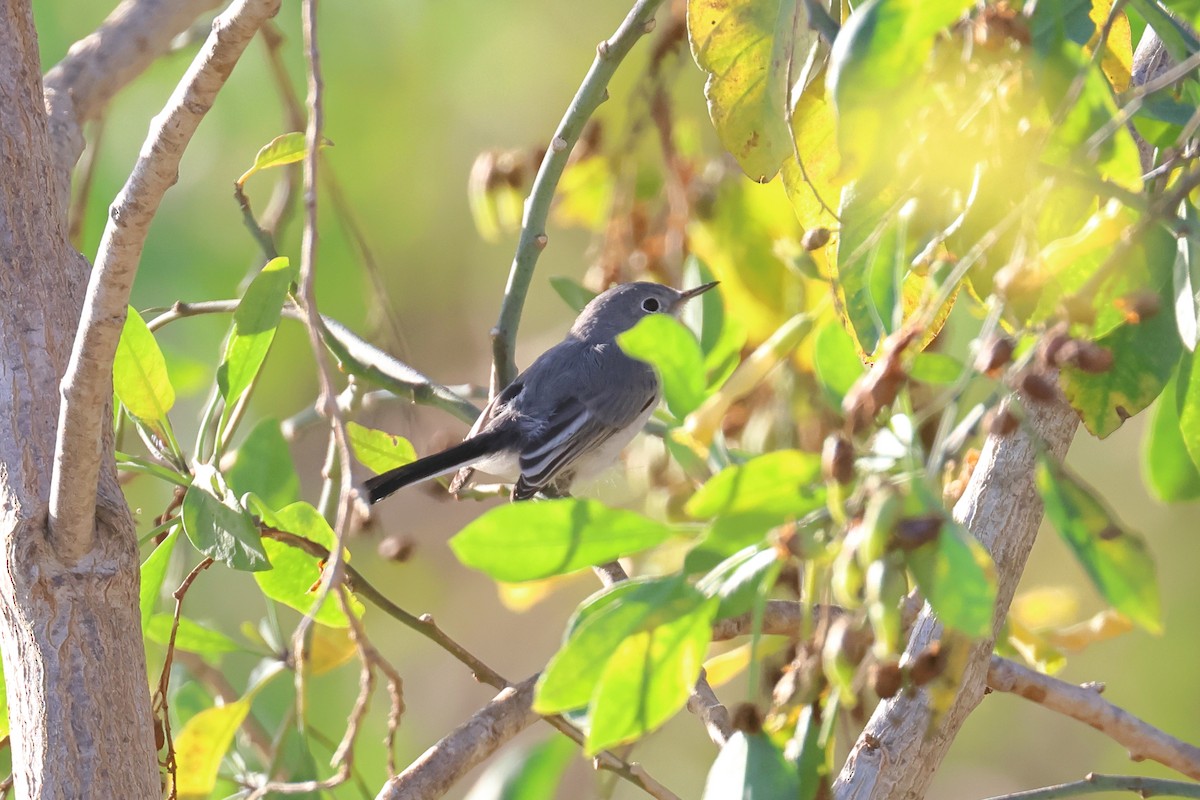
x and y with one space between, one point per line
78 88
88 379
1085 704
592 92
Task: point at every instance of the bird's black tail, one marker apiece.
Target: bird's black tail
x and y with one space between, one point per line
450 459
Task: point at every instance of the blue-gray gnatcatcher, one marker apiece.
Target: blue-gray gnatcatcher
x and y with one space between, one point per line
566 417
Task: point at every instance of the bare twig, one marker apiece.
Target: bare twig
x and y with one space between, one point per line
159 701
89 373
1094 784
1143 740
592 92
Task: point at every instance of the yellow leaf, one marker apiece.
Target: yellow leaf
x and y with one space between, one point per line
1117 61
521 597
1045 607
329 648
1105 625
1034 648
201 745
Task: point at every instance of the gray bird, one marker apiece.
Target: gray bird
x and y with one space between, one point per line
569 415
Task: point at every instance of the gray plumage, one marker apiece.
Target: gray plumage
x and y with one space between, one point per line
569 415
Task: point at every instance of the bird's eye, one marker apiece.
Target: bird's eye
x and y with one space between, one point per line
650 304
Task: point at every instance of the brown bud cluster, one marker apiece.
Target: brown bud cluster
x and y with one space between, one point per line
994 355
876 390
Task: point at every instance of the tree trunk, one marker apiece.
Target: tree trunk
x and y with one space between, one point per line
79 703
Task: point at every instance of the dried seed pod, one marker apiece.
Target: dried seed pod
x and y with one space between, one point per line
995 353
747 718
1055 339
396 548
928 665
1037 387
815 238
1001 422
837 458
886 678
1085 356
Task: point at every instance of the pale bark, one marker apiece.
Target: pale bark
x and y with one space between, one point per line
76 677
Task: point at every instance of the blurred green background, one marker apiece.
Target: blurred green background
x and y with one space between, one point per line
414 91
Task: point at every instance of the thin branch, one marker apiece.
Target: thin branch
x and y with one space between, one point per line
79 203
425 626
592 92
1143 740
159 700
79 87
356 356
89 374
1094 784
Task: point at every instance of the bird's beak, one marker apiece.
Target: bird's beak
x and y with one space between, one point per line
690 293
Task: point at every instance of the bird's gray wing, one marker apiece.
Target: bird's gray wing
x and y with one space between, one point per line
585 395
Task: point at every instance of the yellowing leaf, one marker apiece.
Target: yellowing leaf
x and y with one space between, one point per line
1045 607
1107 624
724 667
377 450
287 148
1117 61
201 745
329 648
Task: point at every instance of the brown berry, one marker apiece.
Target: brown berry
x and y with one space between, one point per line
837 458
1001 422
928 665
396 548
1038 387
912 532
995 353
886 678
815 238
1055 340
747 718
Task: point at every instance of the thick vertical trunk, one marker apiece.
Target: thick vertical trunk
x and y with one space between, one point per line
78 695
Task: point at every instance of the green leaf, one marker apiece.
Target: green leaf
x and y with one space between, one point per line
1188 399
836 361
745 46
874 68
154 572
751 767
218 526
262 465
191 636
377 450
254 325
285 149
810 761
201 745
1169 470
295 577
140 373
649 678
528 541
871 261
1117 560
938 369
663 342
956 575
1144 356
525 773
779 485
572 292
740 580
574 672
4 726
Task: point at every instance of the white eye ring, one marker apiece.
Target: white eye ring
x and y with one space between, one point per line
650 304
